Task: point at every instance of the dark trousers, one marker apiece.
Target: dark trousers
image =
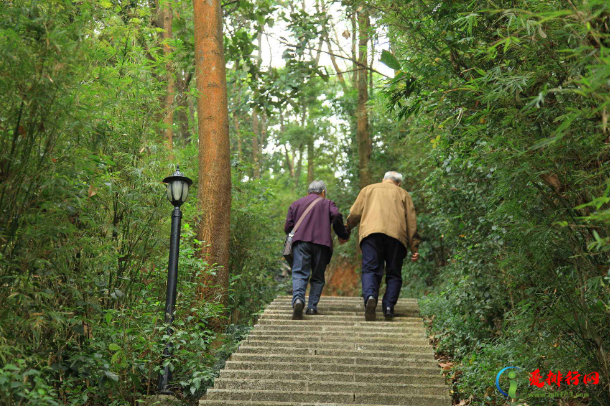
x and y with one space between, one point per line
309 259
379 250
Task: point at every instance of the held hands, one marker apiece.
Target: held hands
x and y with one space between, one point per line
415 256
341 240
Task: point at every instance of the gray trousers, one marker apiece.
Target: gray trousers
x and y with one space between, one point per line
309 259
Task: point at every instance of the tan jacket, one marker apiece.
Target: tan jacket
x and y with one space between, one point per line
388 209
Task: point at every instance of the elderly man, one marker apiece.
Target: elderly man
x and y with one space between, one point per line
388 226
312 245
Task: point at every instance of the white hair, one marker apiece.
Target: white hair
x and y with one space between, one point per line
317 186
394 176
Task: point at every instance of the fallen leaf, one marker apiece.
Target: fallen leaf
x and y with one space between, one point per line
446 366
92 191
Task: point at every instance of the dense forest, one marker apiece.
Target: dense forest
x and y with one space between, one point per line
496 112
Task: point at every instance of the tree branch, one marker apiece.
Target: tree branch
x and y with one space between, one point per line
332 54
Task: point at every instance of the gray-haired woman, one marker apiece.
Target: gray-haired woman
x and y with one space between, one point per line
312 245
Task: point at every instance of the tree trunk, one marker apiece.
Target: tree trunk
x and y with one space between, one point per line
183 108
299 166
335 64
364 139
310 143
289 159
236 113
237 135
256 128
255 147
354 54
371 64
289 162
310 160
192 121
262 140
168 117
214 191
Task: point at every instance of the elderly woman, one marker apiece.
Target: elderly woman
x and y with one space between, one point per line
312 245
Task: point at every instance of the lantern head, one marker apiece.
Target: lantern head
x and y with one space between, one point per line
177 187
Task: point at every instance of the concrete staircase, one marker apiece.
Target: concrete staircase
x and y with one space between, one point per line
333 358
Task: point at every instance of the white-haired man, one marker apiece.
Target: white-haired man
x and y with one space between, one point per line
388 227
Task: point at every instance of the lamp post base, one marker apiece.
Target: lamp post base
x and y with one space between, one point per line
162 400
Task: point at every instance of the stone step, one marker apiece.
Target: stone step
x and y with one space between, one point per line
354 338
341 345
320 365
357 299
286 314
334 376
359 326
328 387
368 328
359 304
249 403
268 403
246 349
329 397
334 358
323 308
359 360
350 312
304 333
339 321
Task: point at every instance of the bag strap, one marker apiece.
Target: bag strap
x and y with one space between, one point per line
307 210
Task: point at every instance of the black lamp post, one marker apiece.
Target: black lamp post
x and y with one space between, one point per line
177 192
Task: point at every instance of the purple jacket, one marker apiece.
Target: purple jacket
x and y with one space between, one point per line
315 227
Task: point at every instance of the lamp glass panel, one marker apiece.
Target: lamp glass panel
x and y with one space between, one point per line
169 191
185 191
176 190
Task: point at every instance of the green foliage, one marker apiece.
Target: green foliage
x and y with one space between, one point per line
511 102
85 228
497 115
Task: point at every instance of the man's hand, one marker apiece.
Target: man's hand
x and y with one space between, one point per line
415 256
342 241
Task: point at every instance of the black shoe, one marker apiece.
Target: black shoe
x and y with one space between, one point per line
369 312
297 310
388 313
311 312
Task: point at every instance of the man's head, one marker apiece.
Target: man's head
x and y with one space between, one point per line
318 187
393 177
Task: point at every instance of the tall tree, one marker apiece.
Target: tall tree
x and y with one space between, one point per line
214 191
182 110
363 134
168 105
310 146
299 168
352 18
256 124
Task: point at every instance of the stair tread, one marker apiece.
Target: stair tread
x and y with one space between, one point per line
255 392
333 358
